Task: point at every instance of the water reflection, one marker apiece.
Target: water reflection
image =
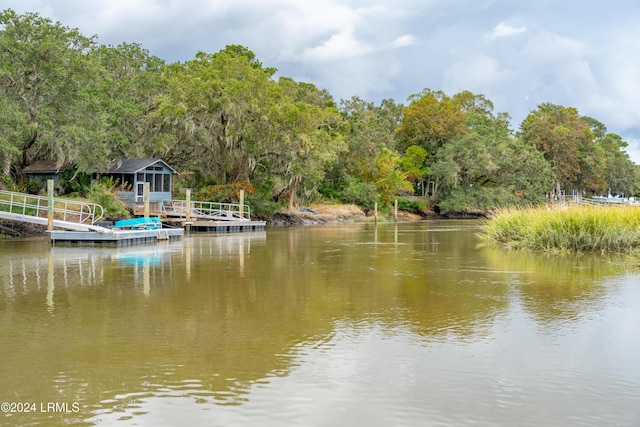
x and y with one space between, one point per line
397 324
36 265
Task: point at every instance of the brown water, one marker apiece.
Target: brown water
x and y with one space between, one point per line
407 325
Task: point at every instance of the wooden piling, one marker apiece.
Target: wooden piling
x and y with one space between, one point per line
50 205
395 210
375 212
188 210
146 191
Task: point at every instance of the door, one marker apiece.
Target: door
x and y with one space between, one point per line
140 192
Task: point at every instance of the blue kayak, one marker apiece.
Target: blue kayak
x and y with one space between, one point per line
139 223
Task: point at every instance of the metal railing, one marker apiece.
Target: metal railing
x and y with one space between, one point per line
38 206
208 210
593 201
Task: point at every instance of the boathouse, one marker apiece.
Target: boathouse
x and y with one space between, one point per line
132 174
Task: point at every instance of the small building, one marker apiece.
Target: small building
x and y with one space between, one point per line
132 175
44 170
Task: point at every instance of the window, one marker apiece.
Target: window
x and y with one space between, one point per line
166 178
127 182
148 177
158 182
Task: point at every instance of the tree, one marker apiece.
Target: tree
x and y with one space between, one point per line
308 141
127 87
620 169
387 177
487 167
45 83
568 144
413 164
430 121
216 108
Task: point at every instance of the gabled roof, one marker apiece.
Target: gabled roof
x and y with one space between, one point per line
46 166
136 165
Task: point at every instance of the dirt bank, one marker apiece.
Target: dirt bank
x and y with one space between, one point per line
21 229
322 214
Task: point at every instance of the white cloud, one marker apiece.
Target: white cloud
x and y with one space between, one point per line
338 46
479 74
403 41
503 30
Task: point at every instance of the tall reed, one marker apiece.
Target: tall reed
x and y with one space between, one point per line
573 229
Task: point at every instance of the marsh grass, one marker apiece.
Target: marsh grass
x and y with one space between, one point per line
573 230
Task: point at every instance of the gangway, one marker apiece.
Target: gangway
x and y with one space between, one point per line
210 211
68 214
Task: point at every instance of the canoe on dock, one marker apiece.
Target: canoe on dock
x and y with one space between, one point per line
152 223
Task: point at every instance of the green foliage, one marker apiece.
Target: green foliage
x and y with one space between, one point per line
620 175
226 193
224 117
30 187
262 204
363 194
387 178
486 168
126 87
414 206
369 129
413 164
470 199
73 182
104 193
430 121
568 144
45 87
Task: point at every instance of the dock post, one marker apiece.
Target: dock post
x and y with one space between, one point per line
375 212
395 210
147 188
188 209
241 203
50 205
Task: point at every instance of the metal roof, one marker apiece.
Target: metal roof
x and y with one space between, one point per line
136 165
116 166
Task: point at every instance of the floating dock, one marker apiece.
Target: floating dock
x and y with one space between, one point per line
114 237
226 226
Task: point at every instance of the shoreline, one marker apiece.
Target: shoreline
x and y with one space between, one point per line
316 214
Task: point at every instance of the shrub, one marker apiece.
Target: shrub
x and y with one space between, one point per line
413 206
363 194
104 193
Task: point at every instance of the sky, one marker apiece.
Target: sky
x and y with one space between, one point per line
517 53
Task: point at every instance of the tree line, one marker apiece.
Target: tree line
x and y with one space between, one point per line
226 119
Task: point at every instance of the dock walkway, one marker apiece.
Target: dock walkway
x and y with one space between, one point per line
68 214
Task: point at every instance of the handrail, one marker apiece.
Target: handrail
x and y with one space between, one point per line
211 210
63 209
594 201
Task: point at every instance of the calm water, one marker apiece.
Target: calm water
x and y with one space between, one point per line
354 325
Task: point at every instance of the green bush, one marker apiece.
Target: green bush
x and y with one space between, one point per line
413 206
363 194
466 199
104 193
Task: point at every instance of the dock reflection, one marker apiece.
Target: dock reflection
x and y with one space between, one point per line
74 266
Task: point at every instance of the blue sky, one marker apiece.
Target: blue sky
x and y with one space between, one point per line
517 53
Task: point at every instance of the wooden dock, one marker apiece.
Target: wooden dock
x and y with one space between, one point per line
114 237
